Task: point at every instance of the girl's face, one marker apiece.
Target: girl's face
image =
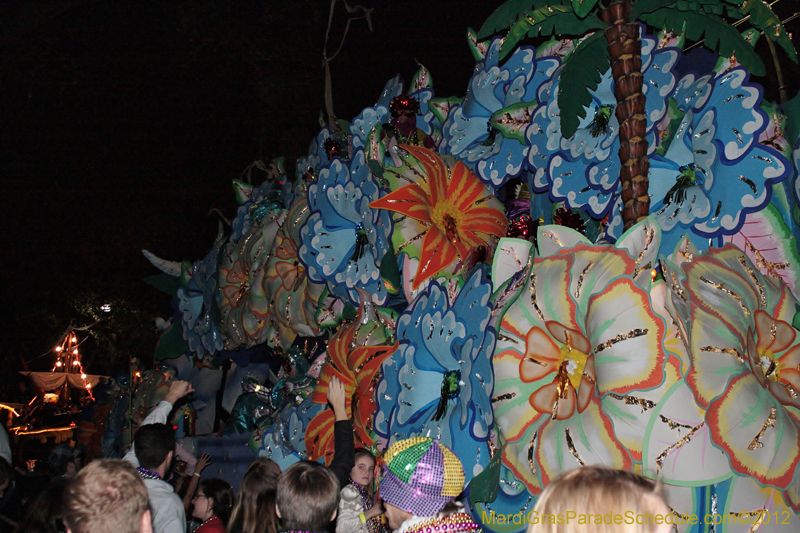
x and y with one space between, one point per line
362 472
202 506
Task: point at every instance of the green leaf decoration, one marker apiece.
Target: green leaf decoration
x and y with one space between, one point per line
583 7
512 121
507 14
390 273
484 486
376 152
792 111
171 344
476 47
421 80
440 107
717 34
648 6
242 191
549 20
714 7
675 116
763 18
581 75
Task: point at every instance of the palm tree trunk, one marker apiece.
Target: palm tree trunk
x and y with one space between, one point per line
625 53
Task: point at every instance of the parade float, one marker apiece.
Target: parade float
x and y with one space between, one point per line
589 259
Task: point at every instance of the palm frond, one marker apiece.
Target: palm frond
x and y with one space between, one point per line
581 75
717 34
583 7
507 14
765 20
549 20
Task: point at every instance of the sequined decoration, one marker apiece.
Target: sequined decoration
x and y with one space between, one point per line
681 442
752 274
571 446
619 338
580 279
729 351
756 443
644 403
721 287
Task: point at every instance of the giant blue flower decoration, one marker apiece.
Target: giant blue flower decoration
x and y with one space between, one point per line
344 240
196 300
583 170
487 131
254 204
440 380
714 171
325 147
420 90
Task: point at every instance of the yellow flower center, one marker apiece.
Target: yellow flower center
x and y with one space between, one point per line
572 364
769 365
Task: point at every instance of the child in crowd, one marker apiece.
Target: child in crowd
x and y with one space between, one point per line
356 509
307 498
254 511
598 491
212 505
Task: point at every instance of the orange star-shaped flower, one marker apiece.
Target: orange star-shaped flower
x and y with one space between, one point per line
452 203
359 370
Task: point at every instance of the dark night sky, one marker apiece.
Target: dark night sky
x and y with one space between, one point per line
123 124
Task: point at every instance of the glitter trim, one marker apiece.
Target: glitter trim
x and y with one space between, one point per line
721 287
756 442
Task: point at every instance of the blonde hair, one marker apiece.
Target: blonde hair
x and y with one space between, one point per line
599 500
107 496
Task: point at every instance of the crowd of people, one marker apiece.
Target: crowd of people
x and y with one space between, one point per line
420 490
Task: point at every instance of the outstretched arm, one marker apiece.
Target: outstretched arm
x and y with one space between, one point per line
177 390
344 449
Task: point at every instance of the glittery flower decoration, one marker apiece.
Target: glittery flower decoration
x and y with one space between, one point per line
344 239
254 204
446 206
583 171
355 354
580 360
288 437
197 302
318 157
714 171
241 295
291 298
439 381
393 103
745 355
487 131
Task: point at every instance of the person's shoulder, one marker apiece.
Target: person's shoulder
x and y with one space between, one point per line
161 489
349 491
215 526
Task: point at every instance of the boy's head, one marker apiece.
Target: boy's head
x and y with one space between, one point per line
153 444
107 496
307 497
